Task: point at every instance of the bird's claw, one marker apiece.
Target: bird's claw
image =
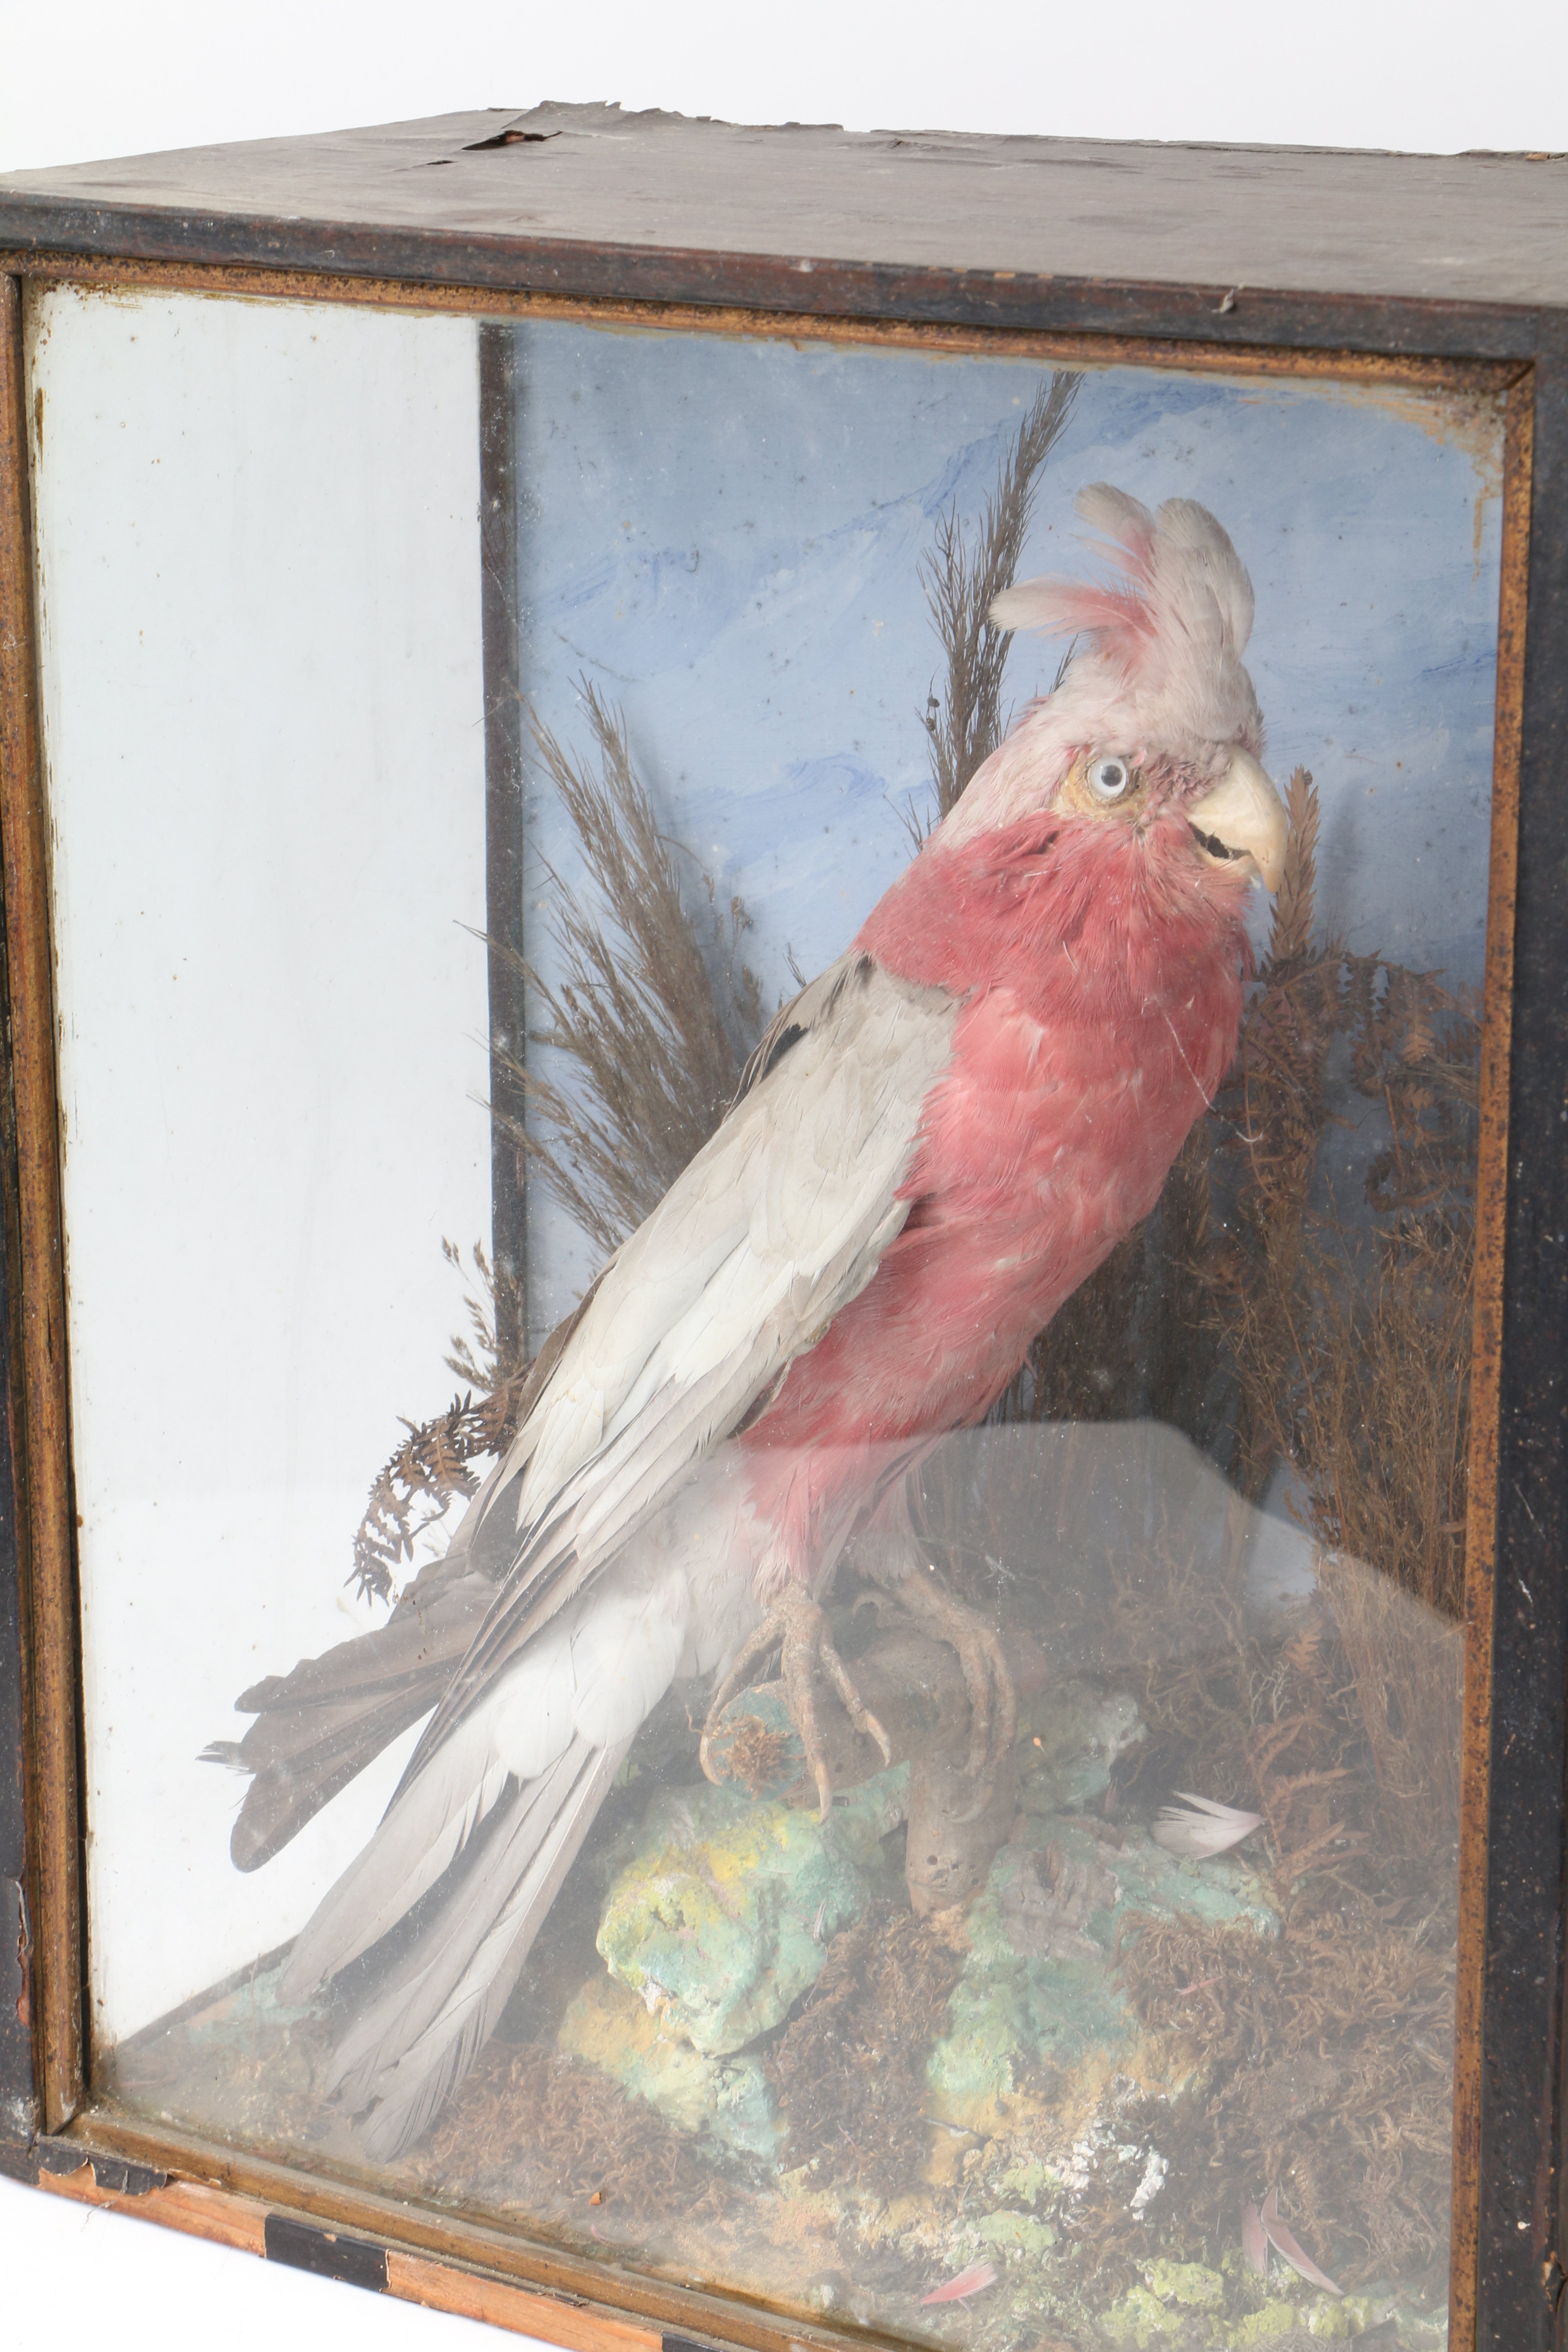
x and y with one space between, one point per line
797 1629
915 1583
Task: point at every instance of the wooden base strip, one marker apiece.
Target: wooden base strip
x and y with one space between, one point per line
579 2329
226 2219
211 2214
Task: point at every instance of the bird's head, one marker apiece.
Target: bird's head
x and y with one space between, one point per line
1154 722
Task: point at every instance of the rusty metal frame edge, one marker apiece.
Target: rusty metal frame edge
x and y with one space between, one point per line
1086 348
54 1802
48 1566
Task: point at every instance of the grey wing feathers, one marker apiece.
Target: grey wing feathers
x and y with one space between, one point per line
780 1220
778 1223
812 1005
323 1723
409 2050
320 1726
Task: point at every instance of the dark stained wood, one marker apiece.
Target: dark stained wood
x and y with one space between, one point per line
504 824
224 2217
38 1320
835 297
208 2177
217 2214
1014 231
1518 2214
18 2089
18 2085
1404 363
1486 1369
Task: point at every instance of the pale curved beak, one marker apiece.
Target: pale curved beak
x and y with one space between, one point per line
1244 816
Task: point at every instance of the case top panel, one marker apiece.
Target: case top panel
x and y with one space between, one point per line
475 190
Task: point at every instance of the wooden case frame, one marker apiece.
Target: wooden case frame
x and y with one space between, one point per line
794 233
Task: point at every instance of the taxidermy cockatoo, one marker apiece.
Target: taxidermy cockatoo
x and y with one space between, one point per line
933 1145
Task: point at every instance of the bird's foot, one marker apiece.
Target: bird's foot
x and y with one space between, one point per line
912 1580
797 1629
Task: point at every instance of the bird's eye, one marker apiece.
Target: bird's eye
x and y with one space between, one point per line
1109 779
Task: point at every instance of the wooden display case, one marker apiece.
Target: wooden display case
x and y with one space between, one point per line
786 281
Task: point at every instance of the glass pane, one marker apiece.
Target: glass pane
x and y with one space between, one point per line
891 1740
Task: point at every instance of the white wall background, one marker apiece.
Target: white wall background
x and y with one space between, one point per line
94 77
90 79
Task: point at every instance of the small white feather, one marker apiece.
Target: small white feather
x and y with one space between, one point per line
1199 1826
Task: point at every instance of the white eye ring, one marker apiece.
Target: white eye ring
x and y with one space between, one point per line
1108 778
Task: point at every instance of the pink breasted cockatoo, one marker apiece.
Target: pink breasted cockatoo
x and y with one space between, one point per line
936 1142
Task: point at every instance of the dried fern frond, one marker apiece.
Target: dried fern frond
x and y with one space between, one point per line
961 577
414 1488
655 1009
429 1470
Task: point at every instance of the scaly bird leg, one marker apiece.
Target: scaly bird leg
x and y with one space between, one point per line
897 1564
797 1629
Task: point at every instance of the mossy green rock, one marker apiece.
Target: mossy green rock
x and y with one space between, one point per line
1140 2318
722 1914
1020 2234
723 2100
1273 2319
1337 2323
1037 1982
1188 2284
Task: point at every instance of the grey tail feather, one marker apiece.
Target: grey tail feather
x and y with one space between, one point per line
412 2048
320 1726
481 1882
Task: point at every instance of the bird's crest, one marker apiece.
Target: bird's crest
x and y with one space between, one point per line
1171 621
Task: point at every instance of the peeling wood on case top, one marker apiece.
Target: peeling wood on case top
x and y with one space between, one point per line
586 187
1247 353
50 1609
1491 1179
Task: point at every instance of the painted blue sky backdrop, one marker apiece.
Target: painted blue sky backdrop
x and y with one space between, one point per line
725 536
